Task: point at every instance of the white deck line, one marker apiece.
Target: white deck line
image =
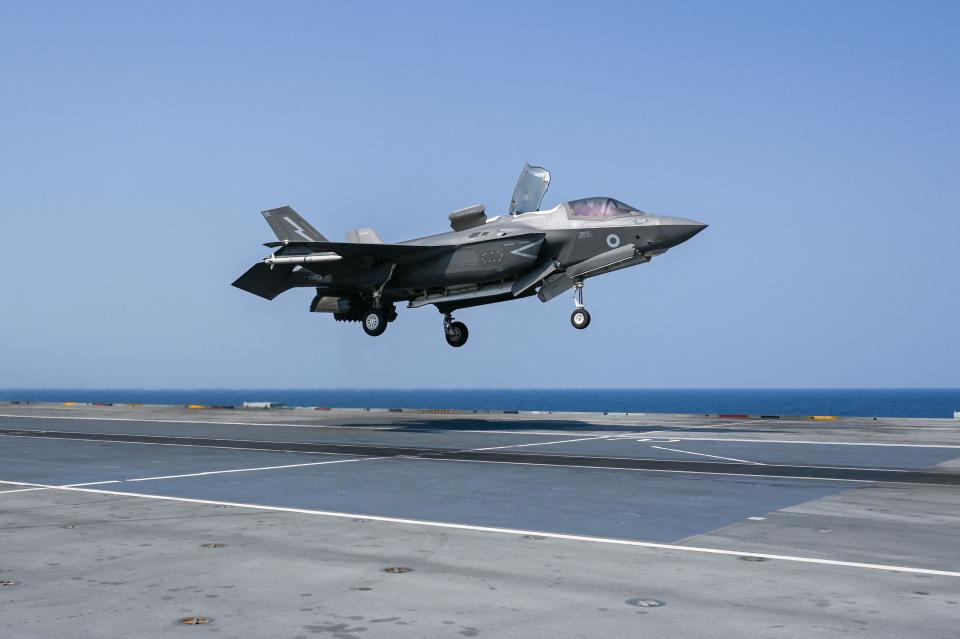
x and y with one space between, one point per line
21 490
117 441
562 441
249 470
688 452
807 442
512 531
94 483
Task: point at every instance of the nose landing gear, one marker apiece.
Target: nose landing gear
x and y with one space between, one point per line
455 332
580 318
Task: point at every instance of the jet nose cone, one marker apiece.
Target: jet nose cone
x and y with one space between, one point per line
680 229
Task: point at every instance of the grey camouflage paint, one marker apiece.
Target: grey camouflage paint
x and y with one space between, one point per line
489 261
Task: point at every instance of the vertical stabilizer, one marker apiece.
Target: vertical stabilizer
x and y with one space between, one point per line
290 227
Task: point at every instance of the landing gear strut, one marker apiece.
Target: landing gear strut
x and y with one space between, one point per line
580 317
376 317
455 332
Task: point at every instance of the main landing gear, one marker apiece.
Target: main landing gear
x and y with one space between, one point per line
580 318
374 322
376 317
455 332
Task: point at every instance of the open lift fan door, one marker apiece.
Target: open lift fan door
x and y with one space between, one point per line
531 186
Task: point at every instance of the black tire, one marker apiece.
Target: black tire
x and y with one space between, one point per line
374 322
580 318
457 334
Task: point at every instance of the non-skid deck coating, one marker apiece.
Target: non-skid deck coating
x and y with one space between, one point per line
514 525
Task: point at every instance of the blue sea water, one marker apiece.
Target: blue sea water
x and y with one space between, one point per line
856 402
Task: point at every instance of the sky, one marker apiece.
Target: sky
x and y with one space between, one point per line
140 140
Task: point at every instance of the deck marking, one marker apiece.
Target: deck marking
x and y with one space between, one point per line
509 531
413 454
424 454
248 470
22 490
94 483
562 441
120 441
675 450
813 443
672 426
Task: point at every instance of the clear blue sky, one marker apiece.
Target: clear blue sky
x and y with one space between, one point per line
140 140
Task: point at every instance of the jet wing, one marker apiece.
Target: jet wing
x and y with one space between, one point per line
396 253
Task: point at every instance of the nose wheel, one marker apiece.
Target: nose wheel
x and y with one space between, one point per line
580 318
456 333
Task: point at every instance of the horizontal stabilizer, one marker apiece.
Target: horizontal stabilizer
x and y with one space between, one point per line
264 281
290 227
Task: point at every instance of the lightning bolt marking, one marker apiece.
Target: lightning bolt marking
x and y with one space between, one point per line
298 229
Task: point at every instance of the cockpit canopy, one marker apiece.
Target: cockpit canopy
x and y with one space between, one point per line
606 208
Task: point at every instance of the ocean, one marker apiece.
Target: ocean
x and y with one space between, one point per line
852 402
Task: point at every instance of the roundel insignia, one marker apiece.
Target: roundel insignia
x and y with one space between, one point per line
613 240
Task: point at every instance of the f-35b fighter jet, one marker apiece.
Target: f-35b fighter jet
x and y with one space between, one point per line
481 261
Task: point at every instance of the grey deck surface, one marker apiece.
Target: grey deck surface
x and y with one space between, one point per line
514 525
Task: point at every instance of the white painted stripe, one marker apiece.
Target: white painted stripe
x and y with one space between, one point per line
117 441
248 470
95 483
513 531
21 490
545 433
562 441
674 450
668 427
812 443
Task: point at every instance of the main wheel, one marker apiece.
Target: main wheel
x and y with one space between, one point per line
457 334
580 318
374 322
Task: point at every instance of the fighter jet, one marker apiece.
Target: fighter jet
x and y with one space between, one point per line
482 260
